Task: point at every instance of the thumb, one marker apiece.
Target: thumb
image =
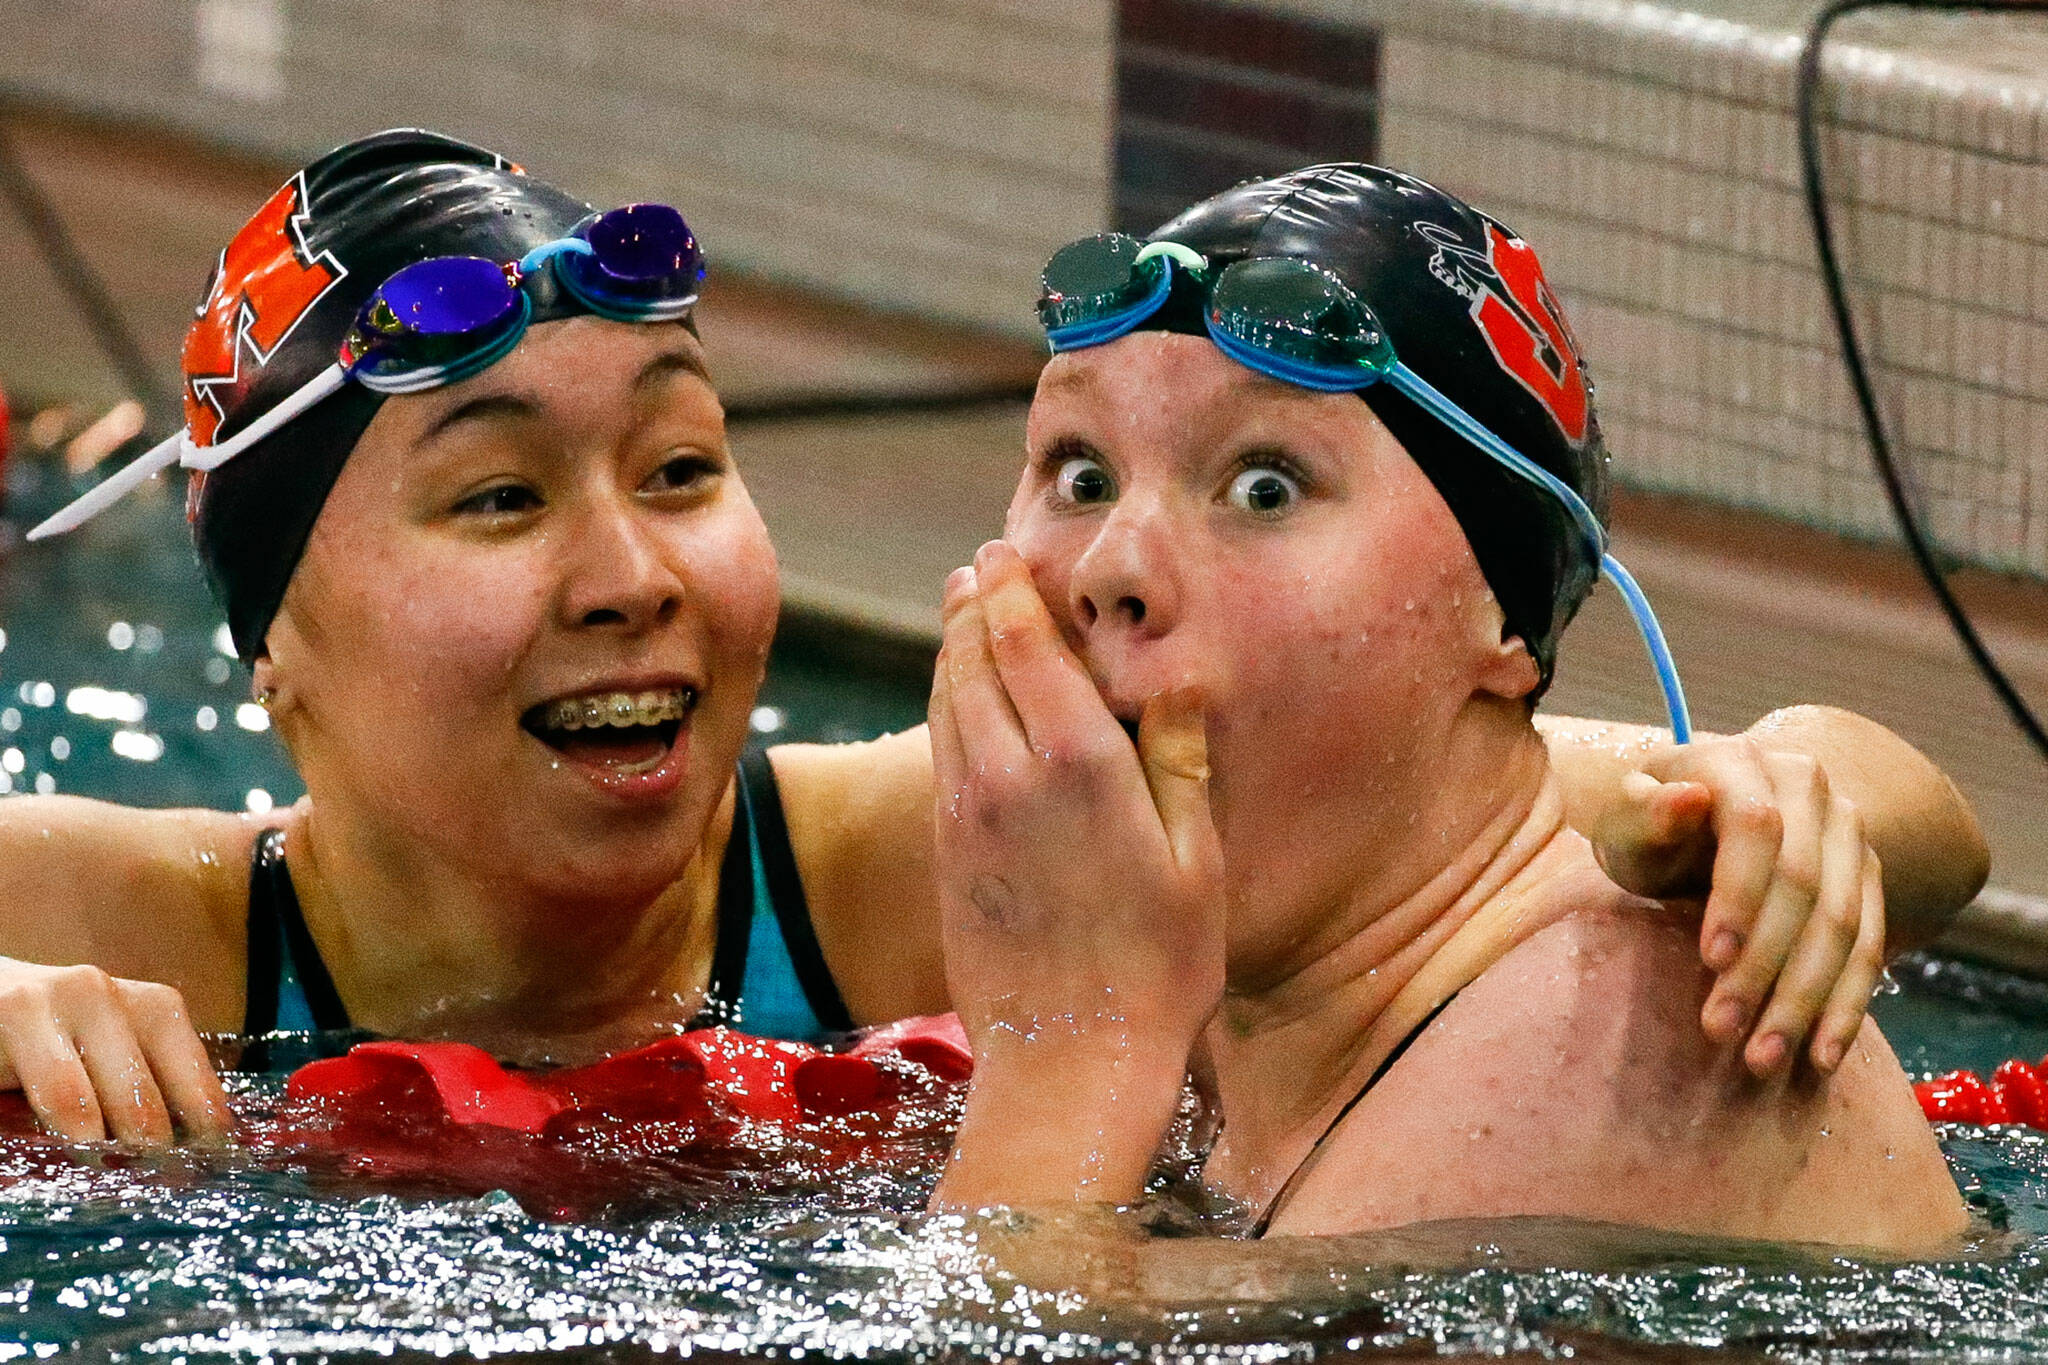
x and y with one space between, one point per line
1173 746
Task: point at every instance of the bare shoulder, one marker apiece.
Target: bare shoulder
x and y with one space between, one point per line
860 823
157 895
1572 1079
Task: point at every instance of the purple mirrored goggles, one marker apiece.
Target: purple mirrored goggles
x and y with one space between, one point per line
439 321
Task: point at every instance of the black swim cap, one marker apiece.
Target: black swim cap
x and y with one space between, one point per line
281 298
1467 308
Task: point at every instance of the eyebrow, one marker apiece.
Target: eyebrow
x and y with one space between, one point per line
513 405
495 405
672 362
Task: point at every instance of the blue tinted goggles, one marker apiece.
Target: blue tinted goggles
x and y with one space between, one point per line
439 321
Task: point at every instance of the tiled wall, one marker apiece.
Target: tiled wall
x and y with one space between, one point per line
922 153
925 155
1649 153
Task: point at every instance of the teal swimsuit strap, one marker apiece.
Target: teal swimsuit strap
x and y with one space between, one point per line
768 975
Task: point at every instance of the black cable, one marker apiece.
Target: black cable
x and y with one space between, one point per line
89 294
1852 353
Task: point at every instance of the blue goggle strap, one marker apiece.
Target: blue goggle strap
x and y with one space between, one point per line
1428 397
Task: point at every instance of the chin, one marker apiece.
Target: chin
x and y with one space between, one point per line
635 863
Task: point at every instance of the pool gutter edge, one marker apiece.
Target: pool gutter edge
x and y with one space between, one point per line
2003 928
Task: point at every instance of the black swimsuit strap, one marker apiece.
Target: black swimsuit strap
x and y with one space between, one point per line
278 936
1378 1074
735 917
785 887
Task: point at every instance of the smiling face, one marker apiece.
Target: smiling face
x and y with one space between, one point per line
1190 520
528 629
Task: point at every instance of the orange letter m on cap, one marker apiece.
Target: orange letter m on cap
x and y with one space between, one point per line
266 281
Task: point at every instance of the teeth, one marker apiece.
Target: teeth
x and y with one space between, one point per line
618 709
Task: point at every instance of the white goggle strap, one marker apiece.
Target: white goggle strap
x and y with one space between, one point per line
111 490
177 449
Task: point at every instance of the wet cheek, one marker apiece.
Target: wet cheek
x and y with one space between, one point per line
737 587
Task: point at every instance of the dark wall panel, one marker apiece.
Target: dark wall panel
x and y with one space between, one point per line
1208 94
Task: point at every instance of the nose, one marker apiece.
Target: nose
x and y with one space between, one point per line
1127 580
620 574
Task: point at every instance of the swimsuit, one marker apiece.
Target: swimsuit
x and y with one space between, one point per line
1265 1220
767 972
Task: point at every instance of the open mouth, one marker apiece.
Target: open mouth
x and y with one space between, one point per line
620 732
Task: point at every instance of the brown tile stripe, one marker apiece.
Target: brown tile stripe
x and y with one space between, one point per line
1233 35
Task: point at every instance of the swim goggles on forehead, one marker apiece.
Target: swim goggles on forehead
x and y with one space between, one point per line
441 320
1293 320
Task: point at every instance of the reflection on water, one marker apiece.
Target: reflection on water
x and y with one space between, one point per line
800 1243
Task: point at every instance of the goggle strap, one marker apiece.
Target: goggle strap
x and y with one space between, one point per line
547 251
328 381
1185 256
1653 640
113 488
1457 419
177 449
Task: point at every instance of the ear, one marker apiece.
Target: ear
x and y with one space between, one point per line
264 678
1510 671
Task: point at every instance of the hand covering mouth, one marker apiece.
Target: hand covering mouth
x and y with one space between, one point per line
621 731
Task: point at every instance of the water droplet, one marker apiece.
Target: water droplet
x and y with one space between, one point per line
120 635
259 802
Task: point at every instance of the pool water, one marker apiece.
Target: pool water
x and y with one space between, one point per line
793 1244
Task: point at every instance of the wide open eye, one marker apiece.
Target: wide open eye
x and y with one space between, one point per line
1083 480
1264 490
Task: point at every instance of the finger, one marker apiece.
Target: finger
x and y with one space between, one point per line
1057 702
1681 815
53 1077
1784 908
990 733
1850 1000
948 762
1658 839
129 1099
1822 949
1173 745
1748 833
177 1058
